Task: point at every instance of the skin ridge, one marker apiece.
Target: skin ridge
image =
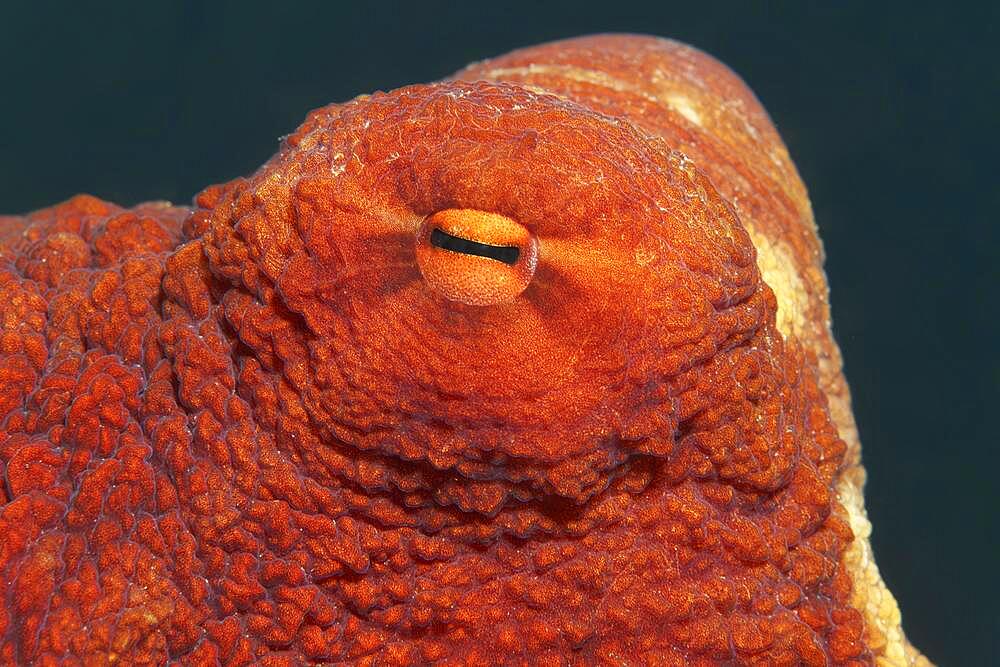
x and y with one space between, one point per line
247 433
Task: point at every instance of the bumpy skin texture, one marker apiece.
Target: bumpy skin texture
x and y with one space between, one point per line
251 432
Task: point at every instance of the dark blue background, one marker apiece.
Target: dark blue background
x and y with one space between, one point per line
891 114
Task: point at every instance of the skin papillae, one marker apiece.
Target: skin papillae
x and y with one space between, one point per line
259 431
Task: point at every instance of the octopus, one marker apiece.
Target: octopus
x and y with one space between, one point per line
529 366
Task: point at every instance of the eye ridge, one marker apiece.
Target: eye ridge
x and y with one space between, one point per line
445 241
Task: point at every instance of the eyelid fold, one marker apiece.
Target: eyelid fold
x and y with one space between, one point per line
476 257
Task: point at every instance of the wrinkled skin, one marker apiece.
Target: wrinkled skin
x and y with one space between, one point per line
260 431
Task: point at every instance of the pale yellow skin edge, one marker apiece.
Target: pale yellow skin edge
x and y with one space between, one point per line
870 594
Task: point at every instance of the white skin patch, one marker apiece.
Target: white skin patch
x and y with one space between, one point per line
683 106
778 270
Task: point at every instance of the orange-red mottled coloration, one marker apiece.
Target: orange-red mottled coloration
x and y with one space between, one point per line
259 431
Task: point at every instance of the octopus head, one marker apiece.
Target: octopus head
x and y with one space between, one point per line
491 281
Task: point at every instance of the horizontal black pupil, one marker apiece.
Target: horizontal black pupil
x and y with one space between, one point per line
501 253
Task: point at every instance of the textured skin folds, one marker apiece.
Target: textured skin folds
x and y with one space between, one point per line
265 430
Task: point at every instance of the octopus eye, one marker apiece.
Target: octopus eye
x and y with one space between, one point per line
476 257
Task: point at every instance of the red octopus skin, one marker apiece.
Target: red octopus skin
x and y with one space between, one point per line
259 431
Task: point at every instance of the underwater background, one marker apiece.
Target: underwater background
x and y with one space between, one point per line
890 112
